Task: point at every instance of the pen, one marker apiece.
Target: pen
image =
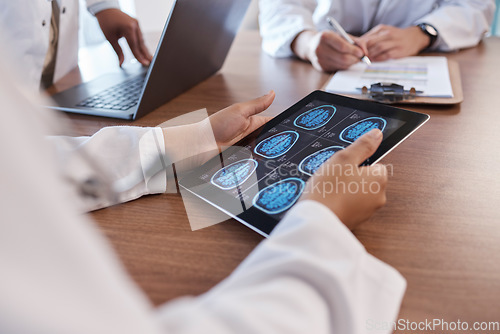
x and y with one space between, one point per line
338 28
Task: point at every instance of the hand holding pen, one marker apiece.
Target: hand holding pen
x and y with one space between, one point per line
327 50
338 29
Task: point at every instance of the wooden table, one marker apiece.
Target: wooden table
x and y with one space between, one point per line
440 227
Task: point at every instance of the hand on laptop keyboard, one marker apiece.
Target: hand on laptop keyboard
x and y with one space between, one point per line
119 97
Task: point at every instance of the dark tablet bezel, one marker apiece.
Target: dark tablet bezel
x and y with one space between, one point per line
264 223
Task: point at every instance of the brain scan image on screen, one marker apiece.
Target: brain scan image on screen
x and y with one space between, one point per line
279 196
277 144
315 118
356 130
312 162
231 176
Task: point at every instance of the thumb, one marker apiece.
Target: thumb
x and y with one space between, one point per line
257 105
363 148
362 43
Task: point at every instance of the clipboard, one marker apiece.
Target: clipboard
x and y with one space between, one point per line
456 85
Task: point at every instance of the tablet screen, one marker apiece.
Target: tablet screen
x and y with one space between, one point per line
259 179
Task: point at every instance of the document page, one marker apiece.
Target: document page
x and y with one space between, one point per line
427 74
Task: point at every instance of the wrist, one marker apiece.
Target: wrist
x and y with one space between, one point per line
301 45
189 145
100 6
430 32
103 13
419 40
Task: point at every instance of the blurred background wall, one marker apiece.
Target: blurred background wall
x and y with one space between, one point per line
151 14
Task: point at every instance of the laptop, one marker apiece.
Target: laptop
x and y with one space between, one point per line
193 46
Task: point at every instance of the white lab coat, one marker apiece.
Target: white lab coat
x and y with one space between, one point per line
59 275
26 27
460 23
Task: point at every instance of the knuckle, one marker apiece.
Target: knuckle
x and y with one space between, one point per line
382 200
382 180
342 155
323 63
340 66
375 49
383 170
132 25
342 47
318 51
345 61
239 107
365 142
390 55
323 37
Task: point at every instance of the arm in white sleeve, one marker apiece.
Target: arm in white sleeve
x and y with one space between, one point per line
131 160
310 276
460 23
95 6
123 163
60 276
281 21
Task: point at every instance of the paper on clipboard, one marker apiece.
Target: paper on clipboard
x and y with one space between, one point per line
427 74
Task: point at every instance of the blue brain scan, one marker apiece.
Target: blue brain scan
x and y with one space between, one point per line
279 196
312 162
277 145
356 130
233 175
315 118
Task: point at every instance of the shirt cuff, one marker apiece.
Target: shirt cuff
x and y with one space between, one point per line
153 161
96 7
313 216
318 217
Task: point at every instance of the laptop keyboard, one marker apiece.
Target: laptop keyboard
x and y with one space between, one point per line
119 97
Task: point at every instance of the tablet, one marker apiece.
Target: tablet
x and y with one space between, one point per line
260 178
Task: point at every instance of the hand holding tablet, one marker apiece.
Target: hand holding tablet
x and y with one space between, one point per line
258 179
352 206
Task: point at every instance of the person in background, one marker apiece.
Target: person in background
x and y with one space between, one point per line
381 29
59 274
44 34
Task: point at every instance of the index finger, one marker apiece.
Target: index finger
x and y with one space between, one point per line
375 30
133 42
339 44
143 47
362 43
363 148
373 40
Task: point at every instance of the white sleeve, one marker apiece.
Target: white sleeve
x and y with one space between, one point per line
131 160
95 6
281 21
60 276
310 276
460 23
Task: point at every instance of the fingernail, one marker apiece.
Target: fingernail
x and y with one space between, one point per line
375 133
